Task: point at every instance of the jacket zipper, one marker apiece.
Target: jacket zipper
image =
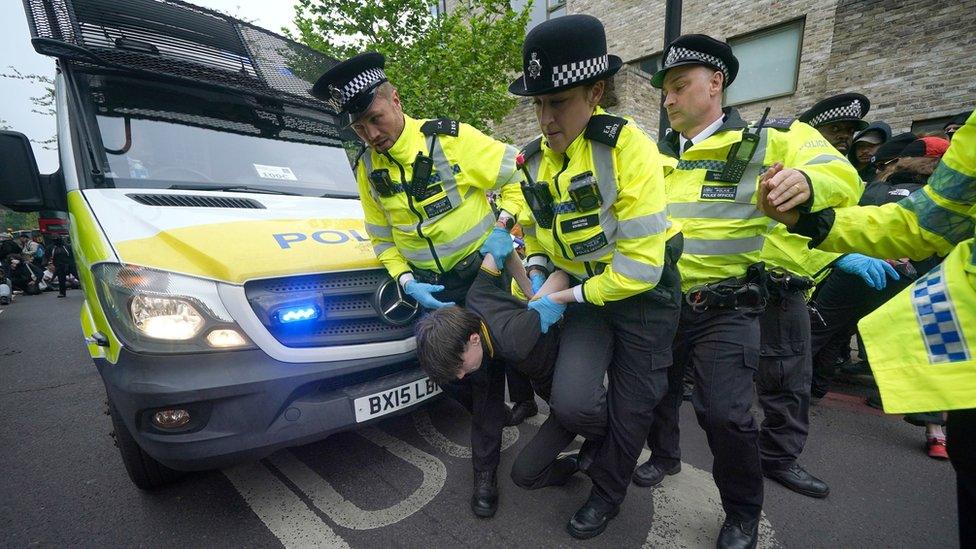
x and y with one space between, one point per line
420 218
555 183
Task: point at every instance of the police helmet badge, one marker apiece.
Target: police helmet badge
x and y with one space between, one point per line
335 98
535 66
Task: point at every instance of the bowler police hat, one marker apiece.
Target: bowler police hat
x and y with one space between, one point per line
350 87
698 49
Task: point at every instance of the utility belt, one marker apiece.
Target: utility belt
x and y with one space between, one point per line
584 194
781 283
748 292
458 277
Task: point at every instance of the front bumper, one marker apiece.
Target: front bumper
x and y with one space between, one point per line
243 405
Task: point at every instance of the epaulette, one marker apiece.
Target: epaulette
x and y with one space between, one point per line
531 148
779 123
362 150
605 128
440 126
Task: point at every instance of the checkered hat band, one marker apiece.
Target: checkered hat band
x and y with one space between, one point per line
362 81
678 53
847 111
580 70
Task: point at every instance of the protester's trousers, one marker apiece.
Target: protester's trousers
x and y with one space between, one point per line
482 392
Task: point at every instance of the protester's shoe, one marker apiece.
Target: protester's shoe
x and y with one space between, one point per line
522 411
563 469
651 474
738 534
936 448
484 500
797 479
592 518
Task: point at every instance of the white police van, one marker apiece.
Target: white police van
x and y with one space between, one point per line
233 304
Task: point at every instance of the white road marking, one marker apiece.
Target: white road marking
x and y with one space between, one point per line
285 515
424 425
347 514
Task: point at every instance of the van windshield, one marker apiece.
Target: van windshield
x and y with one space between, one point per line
160 135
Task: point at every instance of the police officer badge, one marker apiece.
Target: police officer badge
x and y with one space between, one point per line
535 66
336 98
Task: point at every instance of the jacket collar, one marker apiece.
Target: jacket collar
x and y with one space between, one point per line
578 145
732 121
404 149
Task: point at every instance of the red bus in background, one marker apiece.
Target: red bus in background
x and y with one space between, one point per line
52 222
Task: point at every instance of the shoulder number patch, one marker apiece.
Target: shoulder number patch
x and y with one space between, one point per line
605 128
440 126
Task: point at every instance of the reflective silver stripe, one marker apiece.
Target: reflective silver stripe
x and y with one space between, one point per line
507 169
645 225
826 158
381 247
727 246
713 210
469 237
635 269
379 231
744 193
446 173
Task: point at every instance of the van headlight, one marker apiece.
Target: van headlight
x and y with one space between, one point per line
157 311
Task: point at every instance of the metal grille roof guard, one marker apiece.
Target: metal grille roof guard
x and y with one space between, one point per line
173 39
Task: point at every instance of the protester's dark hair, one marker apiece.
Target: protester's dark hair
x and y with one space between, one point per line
441 337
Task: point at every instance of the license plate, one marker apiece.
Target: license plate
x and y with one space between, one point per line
391 400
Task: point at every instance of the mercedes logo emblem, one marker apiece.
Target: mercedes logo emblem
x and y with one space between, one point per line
395 307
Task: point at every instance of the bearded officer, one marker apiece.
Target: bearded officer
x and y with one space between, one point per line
712 192
423 187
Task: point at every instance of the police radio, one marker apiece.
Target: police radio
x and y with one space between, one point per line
537 196
741 153
423 165
381 182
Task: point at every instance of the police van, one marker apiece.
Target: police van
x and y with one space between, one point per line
233 304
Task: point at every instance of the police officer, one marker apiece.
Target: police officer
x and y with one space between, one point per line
595 187
422 184
712 192
838 117
922 343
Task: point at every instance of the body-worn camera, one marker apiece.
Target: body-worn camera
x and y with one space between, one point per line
423 165
584 192
539 199
381 182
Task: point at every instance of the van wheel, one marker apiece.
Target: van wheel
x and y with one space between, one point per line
144 471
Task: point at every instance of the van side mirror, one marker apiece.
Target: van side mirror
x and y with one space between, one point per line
20 182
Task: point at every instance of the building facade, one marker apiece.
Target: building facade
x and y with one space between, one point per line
915 61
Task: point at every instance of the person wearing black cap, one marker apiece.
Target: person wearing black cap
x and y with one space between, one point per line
712 192
423 187
838 117
865 143
594 183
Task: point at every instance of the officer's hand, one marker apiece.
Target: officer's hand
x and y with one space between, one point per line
549 312
422 291
498 244
788 218
538 279
871 270
788 188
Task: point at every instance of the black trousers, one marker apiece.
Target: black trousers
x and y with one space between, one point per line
62 274
783 383
482 392
721 348
961 443
628 341
519 385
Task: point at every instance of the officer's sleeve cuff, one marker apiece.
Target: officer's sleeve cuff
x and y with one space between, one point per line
578 294
808 205
815 226
404 278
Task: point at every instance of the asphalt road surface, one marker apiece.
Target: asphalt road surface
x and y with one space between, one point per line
405 481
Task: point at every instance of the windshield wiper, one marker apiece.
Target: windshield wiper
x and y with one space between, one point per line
232 188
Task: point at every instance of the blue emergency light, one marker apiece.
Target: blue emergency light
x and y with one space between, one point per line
297 314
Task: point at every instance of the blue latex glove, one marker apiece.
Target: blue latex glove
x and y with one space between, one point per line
538 279
499 245
549 312
422 291
871 270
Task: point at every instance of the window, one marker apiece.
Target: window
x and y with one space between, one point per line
650 64
555 8
769 62
932 125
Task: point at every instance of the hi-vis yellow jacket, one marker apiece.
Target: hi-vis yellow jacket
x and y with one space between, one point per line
454 218
724 232
618 249
921 342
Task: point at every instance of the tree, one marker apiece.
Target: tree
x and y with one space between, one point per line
43 103
455 65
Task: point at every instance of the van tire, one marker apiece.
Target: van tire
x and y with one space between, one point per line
144 471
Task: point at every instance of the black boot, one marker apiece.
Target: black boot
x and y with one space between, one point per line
592 518
651 473
521 411
738 534
484 500
796 478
